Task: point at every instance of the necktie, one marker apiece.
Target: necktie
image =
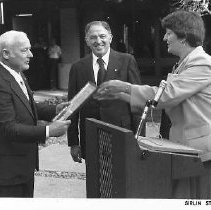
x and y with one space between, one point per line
175 67
29 95
101 72
24 89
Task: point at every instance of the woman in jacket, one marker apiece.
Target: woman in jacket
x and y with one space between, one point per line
186 98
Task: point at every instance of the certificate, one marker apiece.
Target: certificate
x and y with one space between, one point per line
78 100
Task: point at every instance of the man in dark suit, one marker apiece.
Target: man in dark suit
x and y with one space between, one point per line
19 132
114 65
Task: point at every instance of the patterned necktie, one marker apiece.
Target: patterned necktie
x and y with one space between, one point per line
101 72
175 67
24 89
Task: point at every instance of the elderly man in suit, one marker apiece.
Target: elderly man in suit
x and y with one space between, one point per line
19 131
102 64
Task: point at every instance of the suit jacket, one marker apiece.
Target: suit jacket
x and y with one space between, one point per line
20 133
186 99
121 66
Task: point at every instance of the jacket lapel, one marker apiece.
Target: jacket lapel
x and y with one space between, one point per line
31 98
16 89
113 70
89 69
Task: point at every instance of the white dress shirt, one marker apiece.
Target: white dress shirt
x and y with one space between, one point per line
18 79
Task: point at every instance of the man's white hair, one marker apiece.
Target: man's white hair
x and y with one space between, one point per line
9 38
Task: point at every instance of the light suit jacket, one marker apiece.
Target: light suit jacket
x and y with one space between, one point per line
186 99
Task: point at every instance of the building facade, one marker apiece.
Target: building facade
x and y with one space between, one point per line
135 25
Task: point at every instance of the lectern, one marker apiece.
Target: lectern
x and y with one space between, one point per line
116 167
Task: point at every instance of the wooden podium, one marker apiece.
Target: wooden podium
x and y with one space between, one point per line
116 167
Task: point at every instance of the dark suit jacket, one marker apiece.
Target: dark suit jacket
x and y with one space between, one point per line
121 66
19 133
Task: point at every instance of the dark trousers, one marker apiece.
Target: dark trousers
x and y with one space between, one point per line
23 190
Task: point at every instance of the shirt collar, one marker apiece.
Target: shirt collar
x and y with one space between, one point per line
15 74
105 57
198 49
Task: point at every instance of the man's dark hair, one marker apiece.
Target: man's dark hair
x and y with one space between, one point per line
101 23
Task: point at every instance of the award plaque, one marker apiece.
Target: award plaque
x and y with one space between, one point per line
77 101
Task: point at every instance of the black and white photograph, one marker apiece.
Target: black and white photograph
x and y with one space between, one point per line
105 104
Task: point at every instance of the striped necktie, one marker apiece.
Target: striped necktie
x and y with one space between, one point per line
101 71
23 87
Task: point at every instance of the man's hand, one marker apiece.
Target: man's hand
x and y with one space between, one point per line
61 106
58 128
75 152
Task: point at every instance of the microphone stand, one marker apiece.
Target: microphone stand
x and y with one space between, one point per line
143 118
149 103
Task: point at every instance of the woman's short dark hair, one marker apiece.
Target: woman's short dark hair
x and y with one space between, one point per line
101 23
186 25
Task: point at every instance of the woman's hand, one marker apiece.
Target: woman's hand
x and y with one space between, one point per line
113 89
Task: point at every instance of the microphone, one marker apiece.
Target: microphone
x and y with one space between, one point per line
150 103
159 93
